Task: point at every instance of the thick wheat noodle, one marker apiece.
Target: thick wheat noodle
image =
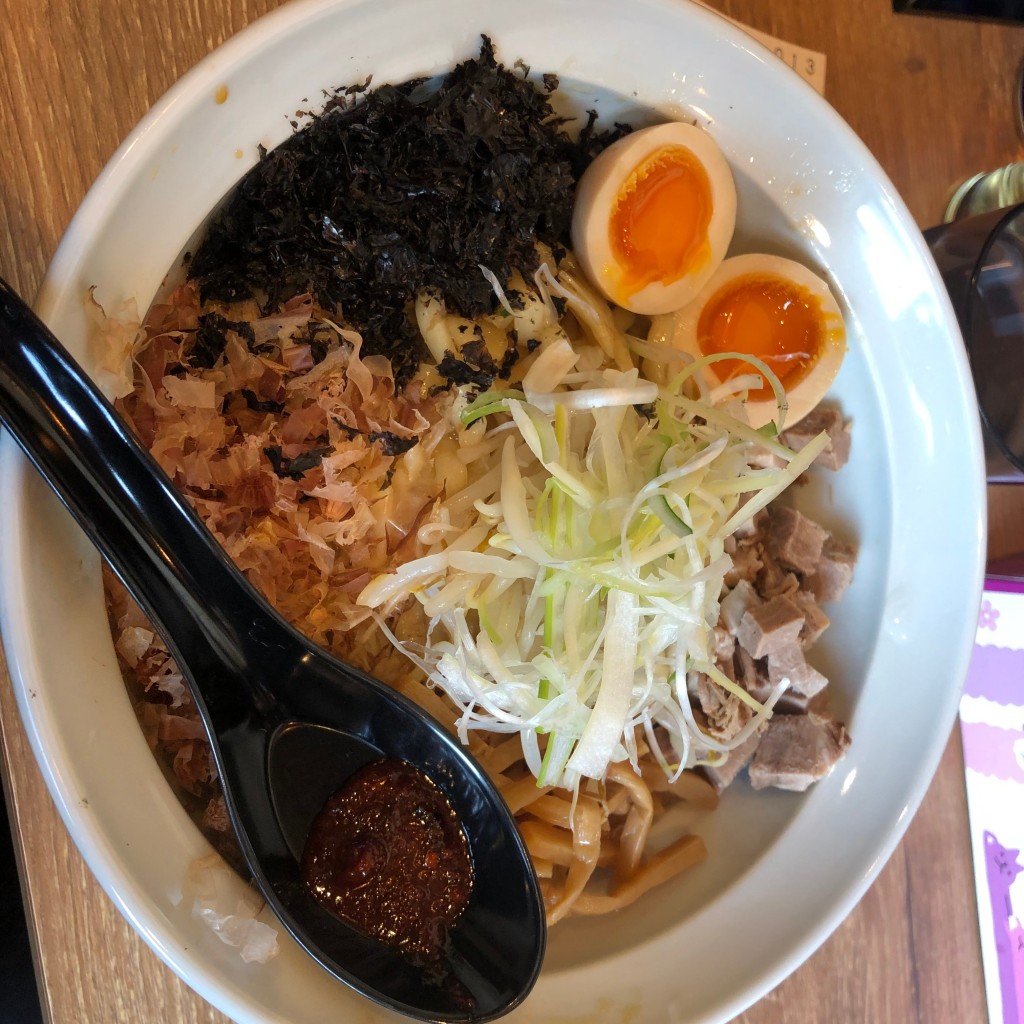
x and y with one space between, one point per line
553 809
609 852
683 854
520 793
593 315
556 811
689 786
586 848
544 868
547 842
499 757
634 832
481 489
617 802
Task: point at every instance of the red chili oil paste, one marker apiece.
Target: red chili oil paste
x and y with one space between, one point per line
388 855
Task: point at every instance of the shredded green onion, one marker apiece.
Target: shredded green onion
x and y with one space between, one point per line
605 527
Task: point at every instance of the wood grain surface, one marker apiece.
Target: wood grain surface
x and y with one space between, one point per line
933 99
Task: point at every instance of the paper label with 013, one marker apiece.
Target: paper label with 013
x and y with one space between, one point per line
808 64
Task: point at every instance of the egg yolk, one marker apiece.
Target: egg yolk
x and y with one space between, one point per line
659 221
771 318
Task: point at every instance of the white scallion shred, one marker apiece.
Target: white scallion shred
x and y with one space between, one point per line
573 583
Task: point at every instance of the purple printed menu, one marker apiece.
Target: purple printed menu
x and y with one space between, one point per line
992 723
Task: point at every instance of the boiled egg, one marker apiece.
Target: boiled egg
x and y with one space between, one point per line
772 308
653 217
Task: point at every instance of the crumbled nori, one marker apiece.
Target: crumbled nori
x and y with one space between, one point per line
458 371
295 468
318 336
211 337
475 353
510 358
390 443
257 404
399 188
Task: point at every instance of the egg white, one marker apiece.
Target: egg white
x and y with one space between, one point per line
679 329
599 189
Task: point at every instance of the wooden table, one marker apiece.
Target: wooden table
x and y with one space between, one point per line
933 99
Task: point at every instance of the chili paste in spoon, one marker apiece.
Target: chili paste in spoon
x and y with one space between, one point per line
387 854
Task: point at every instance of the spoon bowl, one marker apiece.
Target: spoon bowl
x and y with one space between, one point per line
287 722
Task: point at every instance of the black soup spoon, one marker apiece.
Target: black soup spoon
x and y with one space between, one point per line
288 723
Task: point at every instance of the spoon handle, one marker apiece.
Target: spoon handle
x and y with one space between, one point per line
130 509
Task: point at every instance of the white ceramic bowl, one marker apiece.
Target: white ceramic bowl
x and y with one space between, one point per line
784 869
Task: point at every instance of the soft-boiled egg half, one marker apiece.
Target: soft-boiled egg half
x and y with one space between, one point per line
653 217
772 308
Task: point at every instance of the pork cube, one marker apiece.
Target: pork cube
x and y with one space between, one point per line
722 775
751 675
834 571
792 702
723 644
773 579
736 604
746 564
815 620
794 540
830 419
797 750
726 714
789 663
770 626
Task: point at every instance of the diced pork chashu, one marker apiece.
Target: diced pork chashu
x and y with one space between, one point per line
773 578
792 702
770 626
789 663
815 620
726 713
797 750
723 645
722 775
751 675
750 528
736 604
746 563
833 572
830 419
795 541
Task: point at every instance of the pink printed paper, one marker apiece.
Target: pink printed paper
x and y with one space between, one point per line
992 724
